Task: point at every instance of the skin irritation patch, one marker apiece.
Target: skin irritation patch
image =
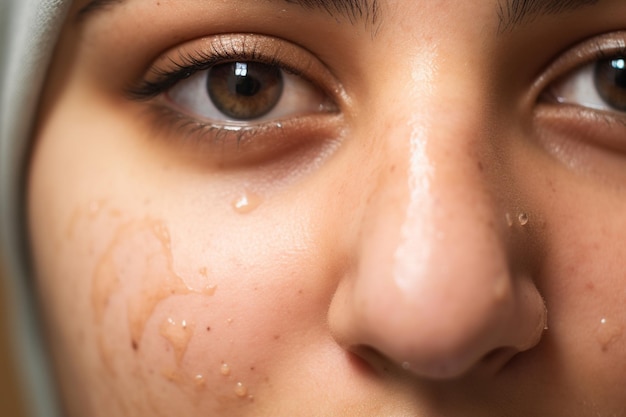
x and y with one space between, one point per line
134 274
137 265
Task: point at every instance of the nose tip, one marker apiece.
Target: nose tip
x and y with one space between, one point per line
444 335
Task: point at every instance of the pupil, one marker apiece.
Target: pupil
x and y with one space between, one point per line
245 85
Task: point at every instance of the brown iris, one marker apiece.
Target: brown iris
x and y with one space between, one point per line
244 90
610 80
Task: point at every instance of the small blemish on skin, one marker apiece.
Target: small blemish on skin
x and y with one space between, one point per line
134 345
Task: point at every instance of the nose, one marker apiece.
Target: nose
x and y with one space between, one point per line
436 287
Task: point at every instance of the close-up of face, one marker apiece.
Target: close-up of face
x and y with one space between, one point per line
334 208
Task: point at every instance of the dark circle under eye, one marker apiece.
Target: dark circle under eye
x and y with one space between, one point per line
610 80
244 90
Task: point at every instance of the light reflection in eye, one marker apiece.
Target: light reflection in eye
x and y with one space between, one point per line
241 69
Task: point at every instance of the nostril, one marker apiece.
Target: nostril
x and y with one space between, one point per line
371 360
496 360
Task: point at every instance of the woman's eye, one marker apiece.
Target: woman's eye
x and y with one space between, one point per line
599 85
243 92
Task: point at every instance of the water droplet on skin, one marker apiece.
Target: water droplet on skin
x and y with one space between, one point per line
139 258
199 380
608 333
178 334
210 289
509 219
246 203
225 369
523 219
240 390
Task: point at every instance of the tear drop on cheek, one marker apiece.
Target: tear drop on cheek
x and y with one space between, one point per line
246 202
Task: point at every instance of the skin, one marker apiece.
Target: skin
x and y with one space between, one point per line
447 243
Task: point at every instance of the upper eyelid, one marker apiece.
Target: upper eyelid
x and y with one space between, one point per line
596 48
186 60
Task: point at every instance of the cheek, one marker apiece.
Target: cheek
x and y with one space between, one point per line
160 306
137 304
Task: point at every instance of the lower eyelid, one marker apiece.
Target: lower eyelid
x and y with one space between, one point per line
233 146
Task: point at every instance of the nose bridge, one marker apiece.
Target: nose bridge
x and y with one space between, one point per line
449 238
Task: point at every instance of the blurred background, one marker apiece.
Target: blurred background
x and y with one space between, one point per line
10 398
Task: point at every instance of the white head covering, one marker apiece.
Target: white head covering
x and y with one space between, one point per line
28 33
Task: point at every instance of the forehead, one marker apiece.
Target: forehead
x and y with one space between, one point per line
510 12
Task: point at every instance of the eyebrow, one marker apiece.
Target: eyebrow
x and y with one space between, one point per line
352 10
514 13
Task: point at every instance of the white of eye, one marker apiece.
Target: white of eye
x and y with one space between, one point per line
299 97
581 87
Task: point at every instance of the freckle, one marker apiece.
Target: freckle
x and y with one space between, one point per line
481 168
590 286
392 169
276 336
225 369
208 329
252 368
134 345
300 292
241 390
115 213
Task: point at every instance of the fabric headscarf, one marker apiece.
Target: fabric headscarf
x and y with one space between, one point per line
28 32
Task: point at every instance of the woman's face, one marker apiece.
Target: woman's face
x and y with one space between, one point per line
333 208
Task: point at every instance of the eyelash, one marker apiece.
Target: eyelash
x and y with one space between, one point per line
191 64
